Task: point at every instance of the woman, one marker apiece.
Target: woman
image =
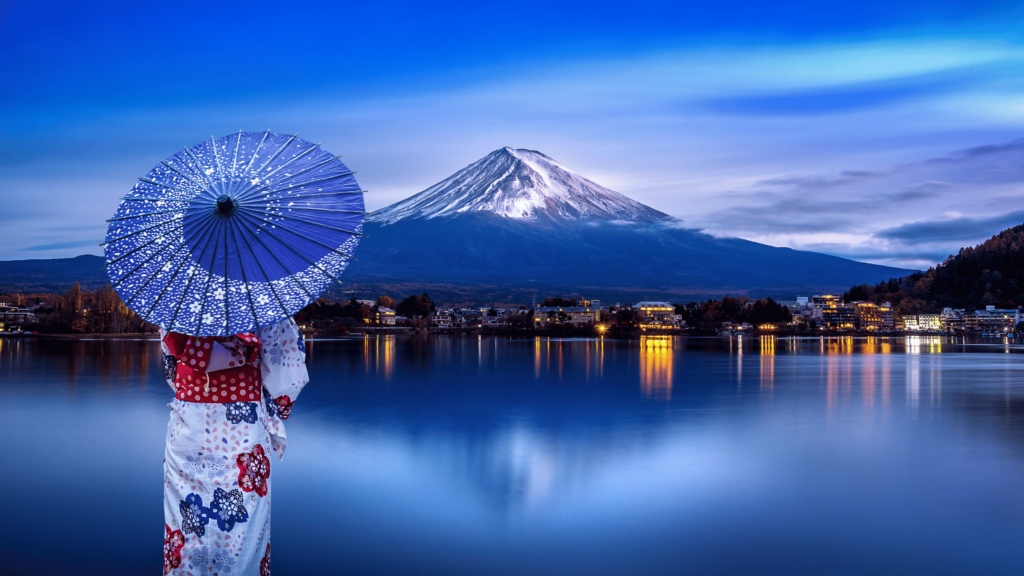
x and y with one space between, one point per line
231 395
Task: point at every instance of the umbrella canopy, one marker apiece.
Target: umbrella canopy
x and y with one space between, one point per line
234 233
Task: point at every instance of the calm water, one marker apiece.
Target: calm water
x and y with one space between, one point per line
495 456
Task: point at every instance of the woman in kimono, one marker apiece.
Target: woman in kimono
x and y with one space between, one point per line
231 396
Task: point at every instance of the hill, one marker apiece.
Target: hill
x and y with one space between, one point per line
989 274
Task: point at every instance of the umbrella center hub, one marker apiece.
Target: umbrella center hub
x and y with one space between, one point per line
225 205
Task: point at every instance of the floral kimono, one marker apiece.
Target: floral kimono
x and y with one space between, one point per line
231 397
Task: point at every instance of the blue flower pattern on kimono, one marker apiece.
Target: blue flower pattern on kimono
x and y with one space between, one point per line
227 508
241 411
268 401
194 516
211 561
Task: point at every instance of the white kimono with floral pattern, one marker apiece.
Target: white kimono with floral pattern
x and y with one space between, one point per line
217 466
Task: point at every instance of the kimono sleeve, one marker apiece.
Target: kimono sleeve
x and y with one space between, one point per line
283 359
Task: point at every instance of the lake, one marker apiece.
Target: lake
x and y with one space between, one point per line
489 455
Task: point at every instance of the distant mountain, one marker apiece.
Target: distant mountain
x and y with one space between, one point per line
991 273
519 219
52 275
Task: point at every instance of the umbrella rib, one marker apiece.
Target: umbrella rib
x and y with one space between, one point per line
182 174
150 214
206 290
262 271
279 263
252 305
188 284
324 179
227 287
157 225
246 191
130 252
290 231
297 253
201 171
220 171
167 285
255 153
308 222
150 279
175 188
269 160
317 195
300 172
320 209
234 162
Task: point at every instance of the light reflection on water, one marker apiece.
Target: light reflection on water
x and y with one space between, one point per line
470 455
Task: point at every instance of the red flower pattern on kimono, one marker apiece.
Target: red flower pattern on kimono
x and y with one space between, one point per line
254 469
284 406
174 541
265 563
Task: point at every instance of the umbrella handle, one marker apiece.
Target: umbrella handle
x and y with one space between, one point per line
207 387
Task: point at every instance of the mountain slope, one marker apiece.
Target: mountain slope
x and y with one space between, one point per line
519 219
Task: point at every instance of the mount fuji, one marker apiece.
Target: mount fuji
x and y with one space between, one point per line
518 221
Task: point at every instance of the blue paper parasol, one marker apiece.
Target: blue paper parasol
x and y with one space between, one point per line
234 233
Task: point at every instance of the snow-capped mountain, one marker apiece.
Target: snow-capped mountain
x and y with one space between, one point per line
518 220
522 184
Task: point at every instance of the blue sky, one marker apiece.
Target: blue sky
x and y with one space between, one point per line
886 132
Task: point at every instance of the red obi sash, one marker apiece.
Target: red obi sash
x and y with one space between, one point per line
242 381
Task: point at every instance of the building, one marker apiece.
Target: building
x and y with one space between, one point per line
441 318
385 316
12 317
992 319
821 303
922 322
952 320
657 315
500 321
839 317
868 316
545 316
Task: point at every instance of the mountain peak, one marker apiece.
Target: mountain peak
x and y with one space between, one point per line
521 184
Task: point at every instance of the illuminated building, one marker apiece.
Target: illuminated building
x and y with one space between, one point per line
840 317
992 319
952 320
821 303
657 315
385 316
584 313
12 317
922 323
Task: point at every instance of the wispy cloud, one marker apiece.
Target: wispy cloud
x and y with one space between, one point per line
952 229
859 95
60 245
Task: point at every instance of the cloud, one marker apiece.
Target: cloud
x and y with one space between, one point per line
61 245
944 230
818 182
858 95
921 190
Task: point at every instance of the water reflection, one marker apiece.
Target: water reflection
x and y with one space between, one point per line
656 367
553 456
767 363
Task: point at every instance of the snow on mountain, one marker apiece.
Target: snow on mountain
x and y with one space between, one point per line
520 184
